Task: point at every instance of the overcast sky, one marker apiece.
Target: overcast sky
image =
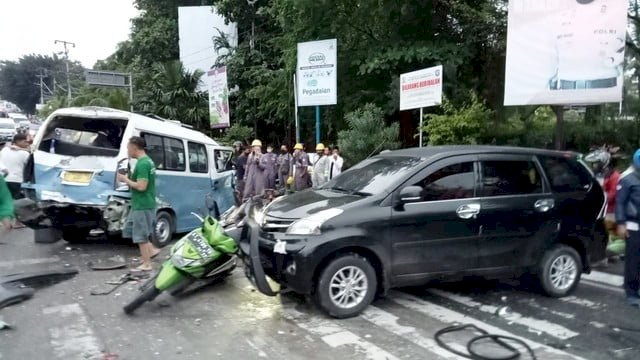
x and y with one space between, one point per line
95 26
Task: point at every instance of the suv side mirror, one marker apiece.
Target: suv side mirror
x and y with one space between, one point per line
411 194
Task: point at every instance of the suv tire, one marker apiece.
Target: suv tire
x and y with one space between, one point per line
354 277
559 271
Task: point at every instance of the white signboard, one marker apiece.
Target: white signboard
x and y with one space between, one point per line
218 98
565 51
422 88
317 73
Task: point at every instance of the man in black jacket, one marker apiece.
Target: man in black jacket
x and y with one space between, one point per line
628 219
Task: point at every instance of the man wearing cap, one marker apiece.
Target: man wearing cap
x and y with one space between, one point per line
255 176
301 168
321 167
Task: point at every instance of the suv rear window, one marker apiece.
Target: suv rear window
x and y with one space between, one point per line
510 178
565 175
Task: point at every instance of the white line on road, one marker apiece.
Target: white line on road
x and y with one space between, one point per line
24 262
555 330
449 317
618 290
604 278
582 302
75 339
334 335
389 322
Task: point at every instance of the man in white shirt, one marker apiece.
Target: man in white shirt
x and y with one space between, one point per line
336 163
13 159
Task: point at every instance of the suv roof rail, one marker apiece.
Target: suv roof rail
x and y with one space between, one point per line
154 116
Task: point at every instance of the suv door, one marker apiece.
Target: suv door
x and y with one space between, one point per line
518 212
439 232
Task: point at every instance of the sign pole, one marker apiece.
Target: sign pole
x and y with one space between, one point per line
131 91
420 128
317 124
295 99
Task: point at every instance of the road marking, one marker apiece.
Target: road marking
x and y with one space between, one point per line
75 339
582 302
618 290
389 322
334 335
604 278
449 317
537 325
24 262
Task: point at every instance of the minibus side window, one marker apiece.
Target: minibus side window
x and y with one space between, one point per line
223 160
166 153
198 162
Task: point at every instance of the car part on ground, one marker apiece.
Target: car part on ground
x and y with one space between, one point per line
18 287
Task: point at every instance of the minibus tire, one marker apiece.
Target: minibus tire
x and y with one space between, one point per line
168 220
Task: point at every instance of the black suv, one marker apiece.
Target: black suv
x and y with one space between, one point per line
407 217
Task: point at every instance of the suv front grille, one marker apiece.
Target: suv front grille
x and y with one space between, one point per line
276 225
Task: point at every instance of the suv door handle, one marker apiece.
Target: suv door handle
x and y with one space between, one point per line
544 205
468 211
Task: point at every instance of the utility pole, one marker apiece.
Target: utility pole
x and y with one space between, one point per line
41 75
66 57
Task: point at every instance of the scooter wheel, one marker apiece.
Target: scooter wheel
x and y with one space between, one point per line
148 295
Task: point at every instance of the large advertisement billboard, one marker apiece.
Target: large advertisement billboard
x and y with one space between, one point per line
565 51
316 74
422 88
219 112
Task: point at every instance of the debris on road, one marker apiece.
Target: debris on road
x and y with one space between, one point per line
4 325
112 263
123 279
19 287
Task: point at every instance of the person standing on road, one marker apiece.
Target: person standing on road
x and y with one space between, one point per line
284 166
300 168
320 167
270 161
140 224
628 218
336 163
14 158
255 177
241 167
6 206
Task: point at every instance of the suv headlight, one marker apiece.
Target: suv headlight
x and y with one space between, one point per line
311 224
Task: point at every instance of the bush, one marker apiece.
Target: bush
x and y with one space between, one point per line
235 133
367 134
465 125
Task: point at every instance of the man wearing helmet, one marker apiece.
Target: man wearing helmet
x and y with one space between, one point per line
255 176
320 167
300 168
627 216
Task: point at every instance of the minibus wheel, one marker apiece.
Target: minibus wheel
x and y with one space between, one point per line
163 229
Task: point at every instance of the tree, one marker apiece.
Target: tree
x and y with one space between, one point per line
458 125
172 92
19 81
367 134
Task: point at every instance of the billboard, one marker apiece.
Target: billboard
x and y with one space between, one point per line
316 73
422 88
565 51
197 27
218 98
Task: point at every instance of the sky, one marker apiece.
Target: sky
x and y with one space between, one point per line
95 26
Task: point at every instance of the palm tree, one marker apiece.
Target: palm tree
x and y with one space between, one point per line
172 92
221 42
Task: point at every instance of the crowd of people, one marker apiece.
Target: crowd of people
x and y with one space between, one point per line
258 173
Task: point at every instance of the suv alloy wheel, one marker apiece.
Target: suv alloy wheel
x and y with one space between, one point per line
560 270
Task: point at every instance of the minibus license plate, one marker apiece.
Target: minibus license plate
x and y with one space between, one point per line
200 244
77 177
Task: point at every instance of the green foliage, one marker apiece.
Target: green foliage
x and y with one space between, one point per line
367 134
18 79
172 92
237 132
458 125
89 96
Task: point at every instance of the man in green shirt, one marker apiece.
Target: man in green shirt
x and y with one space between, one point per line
142 182
6 206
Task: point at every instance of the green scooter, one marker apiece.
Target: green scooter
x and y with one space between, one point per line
204 256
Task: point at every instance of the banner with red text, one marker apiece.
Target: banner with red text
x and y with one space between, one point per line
422 88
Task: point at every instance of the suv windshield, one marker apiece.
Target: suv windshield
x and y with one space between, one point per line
374 176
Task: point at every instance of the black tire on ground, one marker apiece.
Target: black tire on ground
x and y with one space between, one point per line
559 271
148 294
164 229
75 235
364 278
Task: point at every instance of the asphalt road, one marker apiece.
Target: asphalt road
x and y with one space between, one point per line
231 320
